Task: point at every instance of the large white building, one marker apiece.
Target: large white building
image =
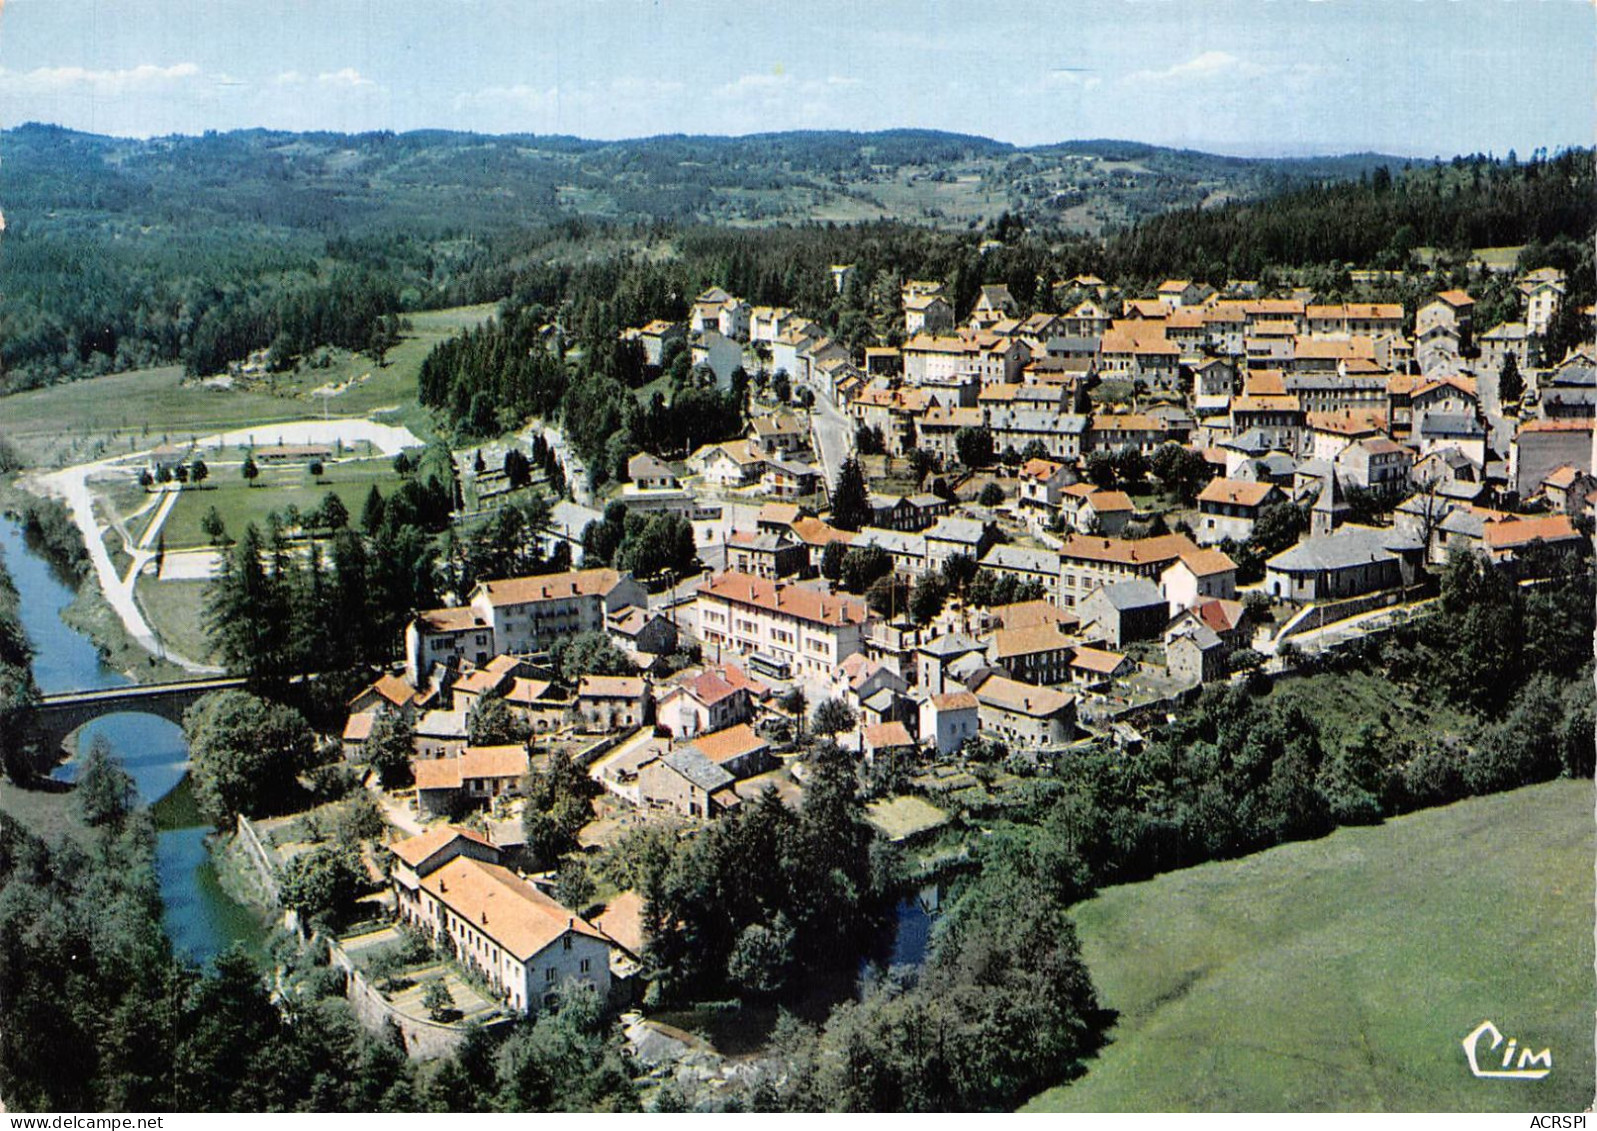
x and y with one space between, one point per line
781 625
516 616
523 943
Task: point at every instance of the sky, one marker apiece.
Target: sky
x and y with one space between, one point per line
1252 77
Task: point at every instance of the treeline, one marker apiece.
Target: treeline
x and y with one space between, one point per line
18 693
1375 222
49 529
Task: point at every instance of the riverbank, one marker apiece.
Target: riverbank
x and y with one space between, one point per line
90 614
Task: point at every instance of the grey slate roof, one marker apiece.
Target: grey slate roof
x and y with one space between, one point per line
1135 593
1021 558
952 644
1348 547
1450 424
698 769
965 531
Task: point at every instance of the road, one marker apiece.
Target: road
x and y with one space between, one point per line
834 437
72 486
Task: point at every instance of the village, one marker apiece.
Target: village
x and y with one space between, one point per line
957 559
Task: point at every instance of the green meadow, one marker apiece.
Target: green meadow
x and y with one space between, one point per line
1342 974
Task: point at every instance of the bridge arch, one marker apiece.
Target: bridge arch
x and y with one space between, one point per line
62 715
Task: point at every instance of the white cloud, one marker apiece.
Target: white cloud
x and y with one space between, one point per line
1211 66
65 80
347 78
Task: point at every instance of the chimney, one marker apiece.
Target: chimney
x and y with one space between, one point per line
485 918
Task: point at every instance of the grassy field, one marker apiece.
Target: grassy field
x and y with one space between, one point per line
1344 973
176 611
277 488
126 412
363 386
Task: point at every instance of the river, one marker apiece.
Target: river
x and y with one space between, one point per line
198 915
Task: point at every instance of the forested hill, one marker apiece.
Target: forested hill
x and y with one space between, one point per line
1379 221
200 249
442 181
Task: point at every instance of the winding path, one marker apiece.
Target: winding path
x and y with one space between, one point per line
71 484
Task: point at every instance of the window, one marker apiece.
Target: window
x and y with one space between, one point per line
584 965
549 975
567 942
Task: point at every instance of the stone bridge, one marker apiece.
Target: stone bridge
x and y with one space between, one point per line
58 716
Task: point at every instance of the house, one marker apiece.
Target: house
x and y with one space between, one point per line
1041 484
1024 714
637 630
782 626
656 337
1348 562
1199 576
1226 619
1331 432
1449 430
389 693
440 734
1505 340
1543 292
685 782
1229 508
1089 509
1566 489
889 739
476 776
777 434
790 479
1038 654
1124 611
521 942
519 615
1178 293
735 749
1097 667
731 463
712 700
935 660
1111 431
422 855
993 304
648 473
1542 446
1450 310
950 536
1508 540
767 555
1194 653
927 314
858 678
357 732
613 702
1378 465
1085 563
908 551
947 720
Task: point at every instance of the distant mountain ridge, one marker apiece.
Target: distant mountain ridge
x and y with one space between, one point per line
441 179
